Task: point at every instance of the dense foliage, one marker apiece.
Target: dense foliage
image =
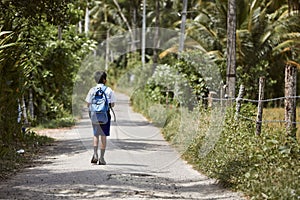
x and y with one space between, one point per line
40 53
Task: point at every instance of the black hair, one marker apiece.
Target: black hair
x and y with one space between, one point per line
100 77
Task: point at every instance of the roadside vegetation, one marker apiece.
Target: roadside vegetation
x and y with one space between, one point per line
21 152
262 167
40 53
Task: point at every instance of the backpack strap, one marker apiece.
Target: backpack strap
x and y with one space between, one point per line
109 107
101 89
105 87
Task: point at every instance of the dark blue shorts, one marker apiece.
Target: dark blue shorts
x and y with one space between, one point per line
102 129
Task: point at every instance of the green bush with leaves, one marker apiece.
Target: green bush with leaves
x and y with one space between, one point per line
38 65
262 166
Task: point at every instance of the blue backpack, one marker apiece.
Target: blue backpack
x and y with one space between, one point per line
99 107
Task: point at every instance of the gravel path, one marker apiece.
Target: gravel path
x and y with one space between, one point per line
140 165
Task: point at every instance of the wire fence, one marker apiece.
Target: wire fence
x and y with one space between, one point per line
238 99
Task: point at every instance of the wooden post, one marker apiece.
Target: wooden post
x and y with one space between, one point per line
290 101
239 102
260 105
222 93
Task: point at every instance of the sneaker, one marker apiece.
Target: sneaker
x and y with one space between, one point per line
94 159
102 161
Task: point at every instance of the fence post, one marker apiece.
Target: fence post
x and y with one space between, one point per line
260 105
290 101
222 92
239 102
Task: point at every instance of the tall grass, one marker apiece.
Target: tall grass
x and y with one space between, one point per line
271 115
262 167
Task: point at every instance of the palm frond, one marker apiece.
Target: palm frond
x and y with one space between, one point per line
188 44
285 46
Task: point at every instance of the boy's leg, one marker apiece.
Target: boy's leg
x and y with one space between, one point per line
103 142
95 145
102 150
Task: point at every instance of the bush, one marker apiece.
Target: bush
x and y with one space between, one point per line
68 121
263 167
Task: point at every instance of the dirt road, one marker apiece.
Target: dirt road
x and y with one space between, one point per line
140 165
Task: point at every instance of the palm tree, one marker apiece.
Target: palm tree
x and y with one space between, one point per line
231 48
265 30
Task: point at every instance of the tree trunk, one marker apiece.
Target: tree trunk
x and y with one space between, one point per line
182 28
294 5
290 101
86 21
144 33
134 31
124 19
24 110
156 34
30 104
231 48
107 41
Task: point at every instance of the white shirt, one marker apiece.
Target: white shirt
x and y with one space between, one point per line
108 92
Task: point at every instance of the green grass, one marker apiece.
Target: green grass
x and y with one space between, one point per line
262 167
68 121
271 114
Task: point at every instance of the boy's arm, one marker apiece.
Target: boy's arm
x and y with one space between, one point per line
88 98
112 99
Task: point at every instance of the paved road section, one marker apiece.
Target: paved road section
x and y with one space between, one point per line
140 165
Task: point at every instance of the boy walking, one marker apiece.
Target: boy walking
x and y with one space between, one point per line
100 130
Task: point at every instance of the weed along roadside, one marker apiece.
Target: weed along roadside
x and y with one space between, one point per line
21 149
30 143
262 167
22 153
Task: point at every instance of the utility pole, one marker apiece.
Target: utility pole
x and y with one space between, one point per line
231 49
144 33
182 27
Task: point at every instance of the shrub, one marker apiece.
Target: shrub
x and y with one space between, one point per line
263 167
